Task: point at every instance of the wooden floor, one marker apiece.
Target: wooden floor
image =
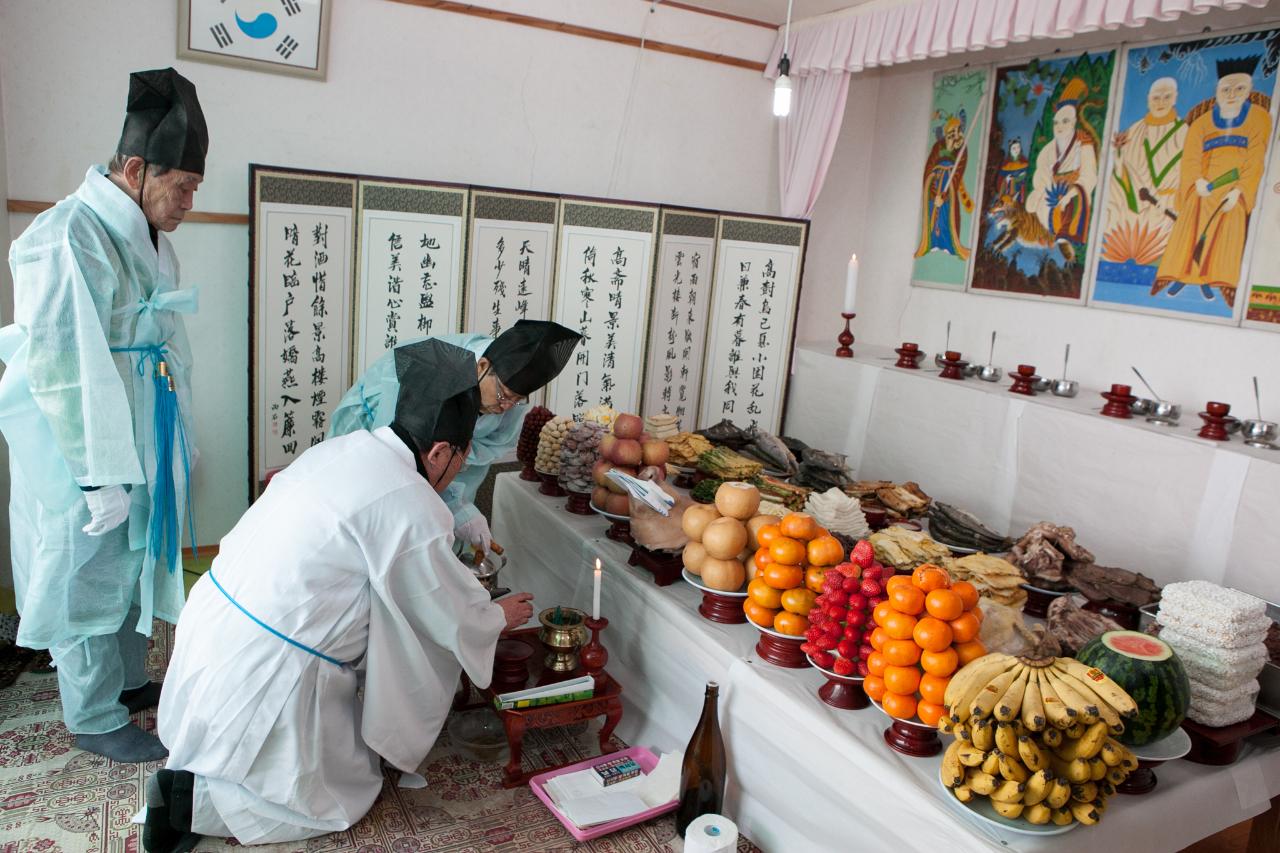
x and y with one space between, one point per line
1234 839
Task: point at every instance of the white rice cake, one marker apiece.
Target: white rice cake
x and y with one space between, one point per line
1214 675
1217 603
1202 693
1214 632
1247 658
1218 714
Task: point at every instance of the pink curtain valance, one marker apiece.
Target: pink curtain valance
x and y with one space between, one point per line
857 39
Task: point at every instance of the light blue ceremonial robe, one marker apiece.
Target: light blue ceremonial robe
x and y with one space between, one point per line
371 403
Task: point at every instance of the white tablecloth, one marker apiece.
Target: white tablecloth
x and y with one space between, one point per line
805 776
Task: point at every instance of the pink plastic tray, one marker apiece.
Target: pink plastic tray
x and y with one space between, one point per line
647 761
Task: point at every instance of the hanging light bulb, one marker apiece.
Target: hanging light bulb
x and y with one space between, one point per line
782 89
782 86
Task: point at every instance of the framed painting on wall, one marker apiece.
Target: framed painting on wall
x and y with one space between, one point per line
944 243
1186 166
285 36
1263 308
1040 184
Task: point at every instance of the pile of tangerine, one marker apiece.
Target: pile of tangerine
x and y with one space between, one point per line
926 628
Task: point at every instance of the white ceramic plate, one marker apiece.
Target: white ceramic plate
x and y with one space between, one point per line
609 515
848 679
778 634
1054 592
1168 748
914 722
692 579
981 809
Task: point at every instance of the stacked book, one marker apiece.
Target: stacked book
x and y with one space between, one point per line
573 690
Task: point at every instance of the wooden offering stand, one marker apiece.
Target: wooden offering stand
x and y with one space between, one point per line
684 478
912 737
953 366
721 608
842 691
1221 746
780 649
1119 399
607 703
593 655
528 474
1022 379
909 356
550 485
846 338
579 503
1215 419
620 531
665 566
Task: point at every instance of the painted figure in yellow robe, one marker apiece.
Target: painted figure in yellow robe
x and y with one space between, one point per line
1013 174
1144 181
1066 170
1222 164
945 193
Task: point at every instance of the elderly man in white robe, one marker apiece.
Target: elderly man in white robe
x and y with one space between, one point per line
339 579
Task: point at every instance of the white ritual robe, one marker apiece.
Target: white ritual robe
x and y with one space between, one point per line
347 552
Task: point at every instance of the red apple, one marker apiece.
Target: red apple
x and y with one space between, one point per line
599 496
655 452
629 427
607 442
598 472
627 451
618 505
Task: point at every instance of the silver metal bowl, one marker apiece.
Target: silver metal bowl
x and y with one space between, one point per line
989 373
939 360
1065 388
1142 406
1164 410
1232 425
1257 430
974 369
1042 384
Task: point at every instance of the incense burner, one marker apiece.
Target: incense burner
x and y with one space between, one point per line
562 639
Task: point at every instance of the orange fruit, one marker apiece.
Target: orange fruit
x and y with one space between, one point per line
899 625
940 664
881 613
879 637
943 604
928 577
971 651
932 635
798 600
896 581
901 679
874 686
825 551
790 623
968 593
908 600
977 611
965 627
933 687
780 576
929 712
762 616
799 525
901 652
897 704
813 578
876 664
761 559
764 595
765 535
788 551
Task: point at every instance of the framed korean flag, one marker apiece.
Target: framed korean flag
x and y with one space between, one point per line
285 36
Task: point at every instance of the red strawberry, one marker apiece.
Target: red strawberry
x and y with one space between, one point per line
817 616
847 649
812 633
865 650
847 569
875 572
857 601
852 632
855 619
842 667
862 668
872 602
836 612
833 630
825 643
839 599
824 659
863 554
808 648
870 588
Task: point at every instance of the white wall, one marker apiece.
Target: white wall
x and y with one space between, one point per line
411 92
6 313
1187 361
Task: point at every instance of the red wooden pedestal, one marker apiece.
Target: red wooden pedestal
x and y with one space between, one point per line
550 485
528 474
1118 400
914 739
593 655
1215 421
1142 780
1221 745
782 652
665 566
953 366
511 666
579 503
1022 379
683 480
846 338
909 356
724 609
620 531
844 692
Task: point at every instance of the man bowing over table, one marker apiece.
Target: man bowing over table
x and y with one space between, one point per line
339 578
510 368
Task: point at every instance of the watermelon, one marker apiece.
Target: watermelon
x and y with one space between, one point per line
1149 671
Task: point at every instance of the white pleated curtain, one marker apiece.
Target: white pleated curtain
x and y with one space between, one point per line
824 51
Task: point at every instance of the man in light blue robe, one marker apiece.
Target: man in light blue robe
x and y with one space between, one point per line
95 403
511 367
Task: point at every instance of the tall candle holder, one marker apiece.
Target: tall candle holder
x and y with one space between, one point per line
593 655
845 350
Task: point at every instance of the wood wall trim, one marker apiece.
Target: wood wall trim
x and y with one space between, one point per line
18 205
716 13
584 32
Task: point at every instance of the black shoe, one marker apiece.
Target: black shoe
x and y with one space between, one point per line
1207 292
1176 288
168 824
141 698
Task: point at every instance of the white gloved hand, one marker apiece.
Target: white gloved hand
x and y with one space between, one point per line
474 532
109 507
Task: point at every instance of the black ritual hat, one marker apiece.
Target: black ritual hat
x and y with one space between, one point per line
163 122
439 397
531 353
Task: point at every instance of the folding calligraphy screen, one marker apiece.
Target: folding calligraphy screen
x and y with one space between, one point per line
603 276
678 327
412 239
758 267
512 252
303 233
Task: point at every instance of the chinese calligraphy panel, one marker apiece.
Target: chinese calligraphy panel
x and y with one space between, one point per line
512 254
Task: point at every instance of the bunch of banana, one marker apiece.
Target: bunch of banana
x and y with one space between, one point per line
1035 739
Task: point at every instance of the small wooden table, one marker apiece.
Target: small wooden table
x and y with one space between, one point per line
607 703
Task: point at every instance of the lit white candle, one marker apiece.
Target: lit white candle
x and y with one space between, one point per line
851 286
595 595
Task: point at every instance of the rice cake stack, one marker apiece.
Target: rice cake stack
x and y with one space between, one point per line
994 578
1219 635
662 426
